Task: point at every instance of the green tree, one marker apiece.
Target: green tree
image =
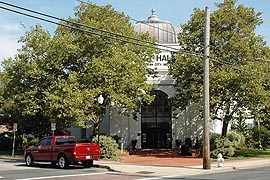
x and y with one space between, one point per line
58 78
239 63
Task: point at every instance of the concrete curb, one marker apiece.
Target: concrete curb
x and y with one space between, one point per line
16 158
115 166
21 159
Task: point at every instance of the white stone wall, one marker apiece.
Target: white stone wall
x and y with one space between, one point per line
125 127
185 124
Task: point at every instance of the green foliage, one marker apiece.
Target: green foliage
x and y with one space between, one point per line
5 142
59 77
240 125
258 153
261 137
224 146
108 146
213 137
237 139
233 43
30 142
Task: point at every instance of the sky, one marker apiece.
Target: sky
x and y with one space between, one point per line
13 26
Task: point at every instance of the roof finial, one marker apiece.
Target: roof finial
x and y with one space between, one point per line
153 11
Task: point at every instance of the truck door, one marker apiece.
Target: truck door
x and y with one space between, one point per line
46 149
36 151
43 150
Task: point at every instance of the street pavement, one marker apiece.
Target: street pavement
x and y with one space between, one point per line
170 171
166 170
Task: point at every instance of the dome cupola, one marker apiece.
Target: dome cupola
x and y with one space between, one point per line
163 31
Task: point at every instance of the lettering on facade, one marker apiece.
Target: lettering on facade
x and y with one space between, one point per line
160 61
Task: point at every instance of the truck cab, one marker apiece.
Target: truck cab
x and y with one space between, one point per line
62 150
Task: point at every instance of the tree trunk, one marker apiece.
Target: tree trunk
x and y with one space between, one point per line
224 128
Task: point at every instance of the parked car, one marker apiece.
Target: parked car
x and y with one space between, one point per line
62 150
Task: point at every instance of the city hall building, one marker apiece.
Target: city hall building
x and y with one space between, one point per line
157 125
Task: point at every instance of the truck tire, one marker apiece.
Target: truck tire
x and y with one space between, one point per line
63 162
87 164
29 161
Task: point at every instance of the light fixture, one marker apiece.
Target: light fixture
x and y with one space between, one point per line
100 99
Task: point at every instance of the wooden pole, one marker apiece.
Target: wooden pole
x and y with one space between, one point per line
206 109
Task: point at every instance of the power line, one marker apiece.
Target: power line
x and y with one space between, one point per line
160 46
165 30
168 48
240 68
73 27
107 36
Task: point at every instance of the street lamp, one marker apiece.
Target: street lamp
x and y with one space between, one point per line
100 102
100 99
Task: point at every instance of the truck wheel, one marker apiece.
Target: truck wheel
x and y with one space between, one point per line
29 160
63 162
87 164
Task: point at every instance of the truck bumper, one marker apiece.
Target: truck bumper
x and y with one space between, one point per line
86 157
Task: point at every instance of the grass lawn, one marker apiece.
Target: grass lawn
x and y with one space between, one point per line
256 153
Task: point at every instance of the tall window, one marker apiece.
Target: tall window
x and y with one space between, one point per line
156 122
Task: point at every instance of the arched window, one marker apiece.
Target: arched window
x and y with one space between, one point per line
156 122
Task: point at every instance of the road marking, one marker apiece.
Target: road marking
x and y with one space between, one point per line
60 176
1 177
160 177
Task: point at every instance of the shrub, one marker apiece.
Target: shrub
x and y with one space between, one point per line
5 142
224 146
261 137
30 143
237 139
108 146
266 140
213 138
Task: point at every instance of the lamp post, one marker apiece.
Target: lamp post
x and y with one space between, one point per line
100 102
14 136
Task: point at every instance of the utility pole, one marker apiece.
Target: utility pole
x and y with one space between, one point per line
206 108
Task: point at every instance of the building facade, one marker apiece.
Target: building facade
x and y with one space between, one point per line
157 125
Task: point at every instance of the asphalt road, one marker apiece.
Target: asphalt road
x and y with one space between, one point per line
262 173
14 170
18 171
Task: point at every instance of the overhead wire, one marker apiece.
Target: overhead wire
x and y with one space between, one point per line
168 48
138 21
155 45
241 69
73 27
101 30
161 29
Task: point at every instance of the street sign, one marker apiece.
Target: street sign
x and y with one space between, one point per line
15 125
53 126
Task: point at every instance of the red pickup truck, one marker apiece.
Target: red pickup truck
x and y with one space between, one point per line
62 150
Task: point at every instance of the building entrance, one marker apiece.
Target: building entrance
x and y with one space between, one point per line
156 123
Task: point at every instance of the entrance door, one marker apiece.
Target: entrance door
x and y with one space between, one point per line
156 122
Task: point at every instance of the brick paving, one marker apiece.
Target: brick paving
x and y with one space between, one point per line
160 157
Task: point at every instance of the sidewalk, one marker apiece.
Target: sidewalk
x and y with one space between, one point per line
171 164
168 163
183 170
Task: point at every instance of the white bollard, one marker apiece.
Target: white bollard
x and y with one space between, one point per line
220 160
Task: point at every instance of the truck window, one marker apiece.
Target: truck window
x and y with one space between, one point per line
65 141
42 142
49 142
